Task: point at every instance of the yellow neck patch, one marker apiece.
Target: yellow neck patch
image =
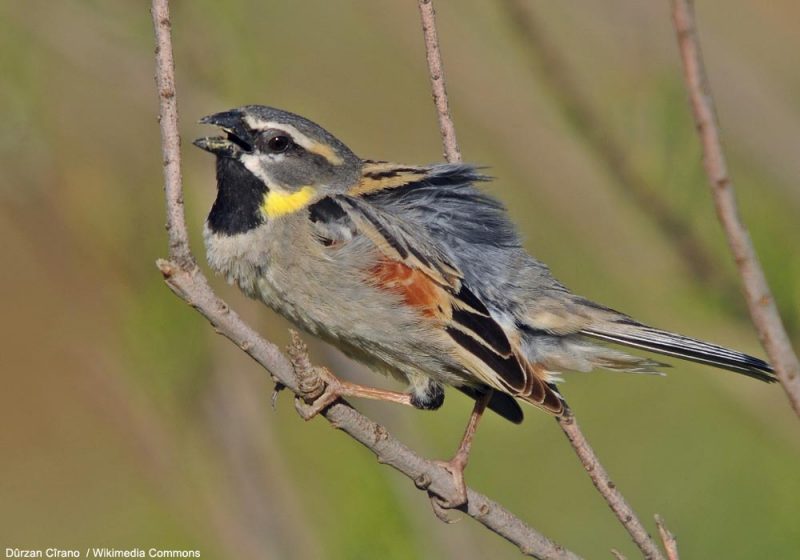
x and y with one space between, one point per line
280 203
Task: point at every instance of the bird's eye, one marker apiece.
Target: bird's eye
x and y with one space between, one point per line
279 143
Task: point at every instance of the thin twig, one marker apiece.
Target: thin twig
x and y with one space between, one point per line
170 139
187 281
570 97
616 501
667 539
451 152
580 444
763 311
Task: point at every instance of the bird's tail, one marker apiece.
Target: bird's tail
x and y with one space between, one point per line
628 332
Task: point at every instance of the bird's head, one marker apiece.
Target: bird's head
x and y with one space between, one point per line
272 163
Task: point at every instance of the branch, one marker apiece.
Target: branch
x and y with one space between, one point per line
170 139
763 311
451 152
668 539
569 97
580 444
608 489
187 281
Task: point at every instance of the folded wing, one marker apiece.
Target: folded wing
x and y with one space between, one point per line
425 279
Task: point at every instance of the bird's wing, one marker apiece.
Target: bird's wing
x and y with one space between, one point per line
416 269
399 244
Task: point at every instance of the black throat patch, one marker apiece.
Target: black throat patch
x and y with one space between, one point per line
239 197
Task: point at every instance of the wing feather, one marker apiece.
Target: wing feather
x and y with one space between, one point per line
395 240
423 276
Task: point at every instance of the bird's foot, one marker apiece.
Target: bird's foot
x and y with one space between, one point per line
323 389
318 392
455 467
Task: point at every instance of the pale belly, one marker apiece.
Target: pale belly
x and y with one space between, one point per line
330 297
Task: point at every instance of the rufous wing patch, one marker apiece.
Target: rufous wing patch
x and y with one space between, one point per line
414 287
425 281
480 343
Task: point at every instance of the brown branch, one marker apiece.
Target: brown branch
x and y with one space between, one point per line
597 473
187 281
616 501
667 539
763 311
451 152
570 98
170 139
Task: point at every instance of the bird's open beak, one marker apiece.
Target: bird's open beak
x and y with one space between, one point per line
237 139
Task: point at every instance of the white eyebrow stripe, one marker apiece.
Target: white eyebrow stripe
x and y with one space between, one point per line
299 138
259 124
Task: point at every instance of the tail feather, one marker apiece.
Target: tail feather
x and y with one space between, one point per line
630 333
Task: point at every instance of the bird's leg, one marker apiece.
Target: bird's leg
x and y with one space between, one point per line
458 463
324 389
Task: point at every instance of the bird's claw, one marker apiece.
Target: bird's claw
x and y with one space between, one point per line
455 467
318 393
440 510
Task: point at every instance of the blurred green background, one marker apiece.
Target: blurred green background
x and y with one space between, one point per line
125 421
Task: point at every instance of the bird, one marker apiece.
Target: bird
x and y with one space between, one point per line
414 271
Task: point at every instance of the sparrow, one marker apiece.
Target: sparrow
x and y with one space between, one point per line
412 270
